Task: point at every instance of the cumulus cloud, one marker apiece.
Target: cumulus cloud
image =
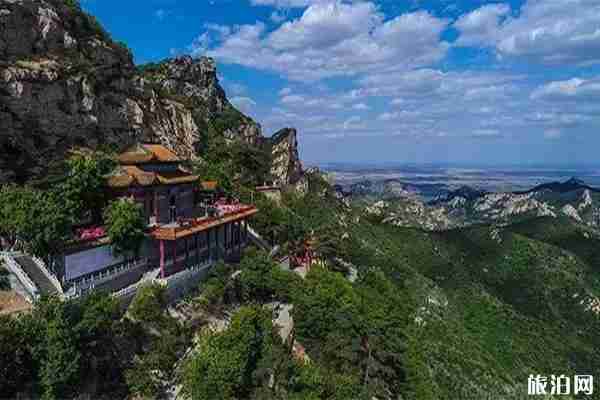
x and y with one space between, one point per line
546 31
332 39
481 25
572 89
393 83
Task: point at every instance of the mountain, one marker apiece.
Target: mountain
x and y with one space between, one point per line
467 206
64 82
387 189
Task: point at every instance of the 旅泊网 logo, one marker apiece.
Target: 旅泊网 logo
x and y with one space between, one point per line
557 385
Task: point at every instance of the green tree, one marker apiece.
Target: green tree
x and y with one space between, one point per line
271 220
54 347
125 226
327 304
60 365
16 363
225 364
83 189
38 219
263 280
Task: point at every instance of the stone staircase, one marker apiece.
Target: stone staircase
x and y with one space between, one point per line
31 268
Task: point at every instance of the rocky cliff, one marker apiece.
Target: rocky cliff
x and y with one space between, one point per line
286 167
64 82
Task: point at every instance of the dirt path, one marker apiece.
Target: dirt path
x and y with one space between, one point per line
12 302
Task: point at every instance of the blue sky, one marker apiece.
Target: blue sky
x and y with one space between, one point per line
418 81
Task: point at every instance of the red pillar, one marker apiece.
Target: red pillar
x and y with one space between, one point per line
162 259
175 254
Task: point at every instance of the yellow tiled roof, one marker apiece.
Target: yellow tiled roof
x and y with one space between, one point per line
179 177
145 153
129 175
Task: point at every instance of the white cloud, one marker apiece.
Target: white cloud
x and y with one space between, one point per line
326 25
572 89
481 26
547 31
387 116
353 123
333 39
292 99
361 107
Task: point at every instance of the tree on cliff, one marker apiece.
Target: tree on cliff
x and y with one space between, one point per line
125 226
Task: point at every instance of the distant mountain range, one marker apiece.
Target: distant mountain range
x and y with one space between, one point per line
407 205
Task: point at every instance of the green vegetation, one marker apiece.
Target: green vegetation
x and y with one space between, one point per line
37 220
228 365
148 304
125 226
262 280
50 351
164 341
230 119
460 314
83 189
4 282
237 166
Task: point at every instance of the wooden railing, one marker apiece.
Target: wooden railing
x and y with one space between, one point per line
197 223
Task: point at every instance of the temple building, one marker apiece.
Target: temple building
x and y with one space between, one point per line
190 226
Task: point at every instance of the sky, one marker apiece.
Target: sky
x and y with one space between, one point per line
403 81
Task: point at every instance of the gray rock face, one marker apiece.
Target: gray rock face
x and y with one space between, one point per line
64 83
287 167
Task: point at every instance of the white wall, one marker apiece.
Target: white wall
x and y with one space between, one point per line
88 261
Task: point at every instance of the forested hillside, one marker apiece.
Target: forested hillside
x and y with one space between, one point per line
393 313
